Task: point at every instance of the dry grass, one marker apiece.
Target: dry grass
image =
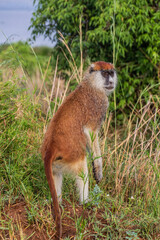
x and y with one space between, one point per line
128 201
134 161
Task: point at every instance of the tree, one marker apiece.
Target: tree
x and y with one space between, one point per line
124 32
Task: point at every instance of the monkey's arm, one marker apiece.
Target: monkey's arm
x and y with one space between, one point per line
95 152
97 156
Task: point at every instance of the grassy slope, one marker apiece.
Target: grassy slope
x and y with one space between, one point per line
126 205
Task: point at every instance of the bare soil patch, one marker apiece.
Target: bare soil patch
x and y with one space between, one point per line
16 214
21 228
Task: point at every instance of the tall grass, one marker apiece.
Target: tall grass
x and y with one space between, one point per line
135 173
126 205
134 157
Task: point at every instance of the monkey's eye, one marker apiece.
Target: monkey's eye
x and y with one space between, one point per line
111 73
104 73
91 70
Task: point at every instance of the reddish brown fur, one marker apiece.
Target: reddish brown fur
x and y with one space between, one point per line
65 141
65 134
102 66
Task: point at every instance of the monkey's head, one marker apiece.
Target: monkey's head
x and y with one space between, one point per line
103 76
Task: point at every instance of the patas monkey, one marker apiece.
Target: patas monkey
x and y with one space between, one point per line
68 135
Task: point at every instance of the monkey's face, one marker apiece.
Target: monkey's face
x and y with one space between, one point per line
105 76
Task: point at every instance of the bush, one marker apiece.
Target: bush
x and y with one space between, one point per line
124 32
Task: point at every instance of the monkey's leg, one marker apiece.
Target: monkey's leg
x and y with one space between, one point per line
57 176
97 164
82 183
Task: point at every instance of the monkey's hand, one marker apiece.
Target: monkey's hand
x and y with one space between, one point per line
97 169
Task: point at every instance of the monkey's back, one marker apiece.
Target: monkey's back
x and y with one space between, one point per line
65 137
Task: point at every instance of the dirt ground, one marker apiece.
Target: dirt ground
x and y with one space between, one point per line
17 215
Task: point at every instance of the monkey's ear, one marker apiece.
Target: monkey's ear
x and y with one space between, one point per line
91 70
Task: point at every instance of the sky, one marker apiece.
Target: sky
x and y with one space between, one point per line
15 18
16 4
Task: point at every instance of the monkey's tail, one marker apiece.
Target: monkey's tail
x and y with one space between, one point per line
57 213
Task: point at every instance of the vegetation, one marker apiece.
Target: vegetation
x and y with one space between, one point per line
33 84
126 204
124 32
22 55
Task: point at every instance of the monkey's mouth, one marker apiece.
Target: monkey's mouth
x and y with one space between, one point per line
110 88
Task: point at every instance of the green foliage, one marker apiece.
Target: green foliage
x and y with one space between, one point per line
43 51
19 142
131 176
124 32
96 195
21 54
132 235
